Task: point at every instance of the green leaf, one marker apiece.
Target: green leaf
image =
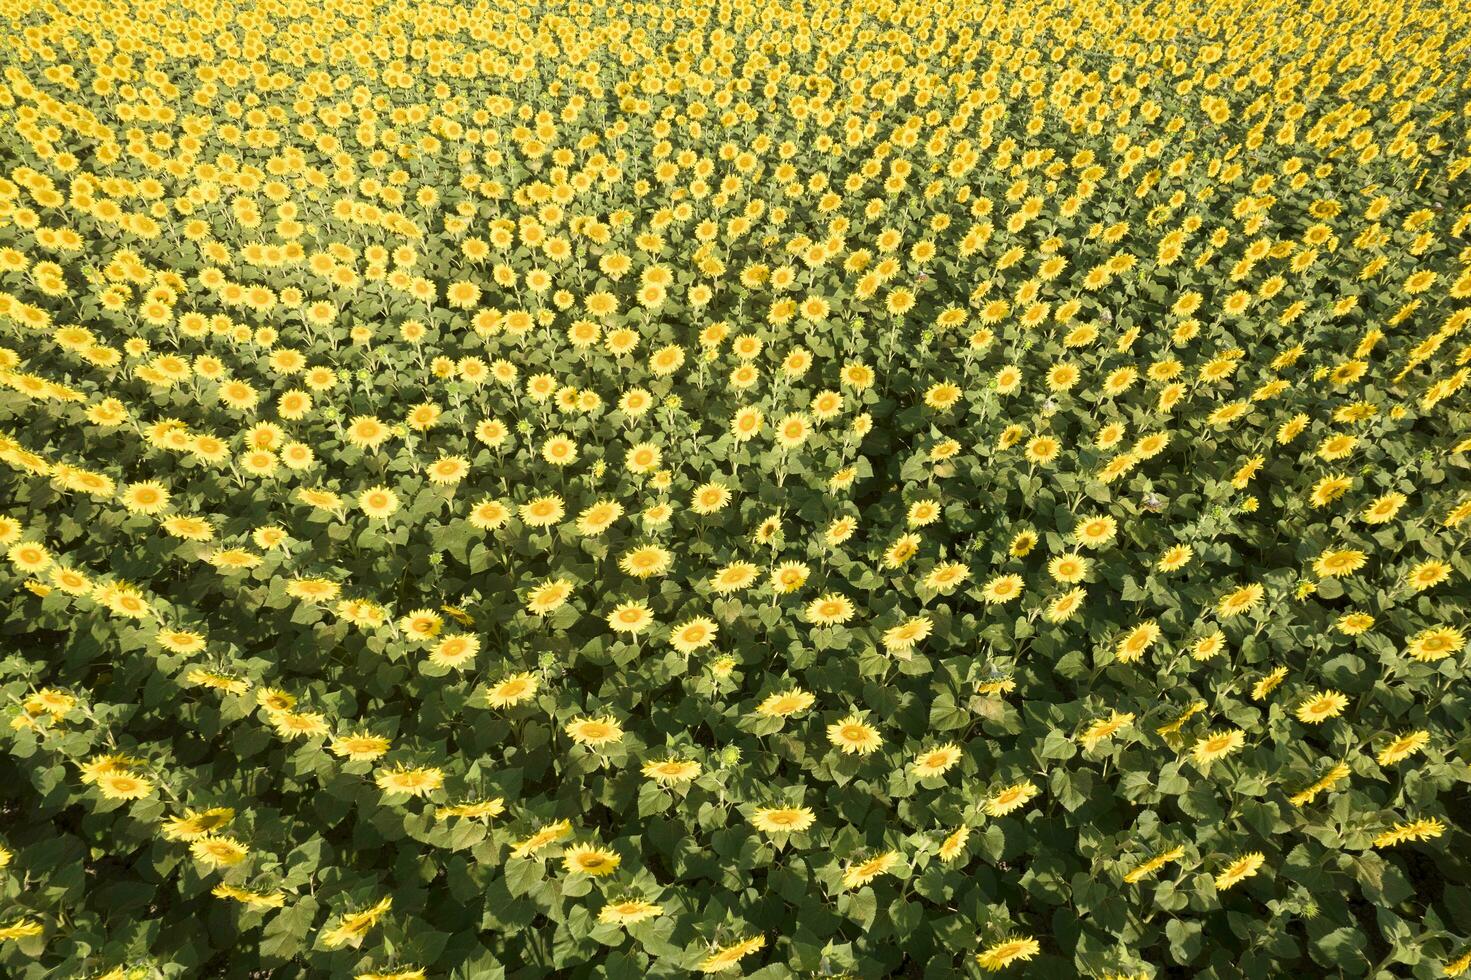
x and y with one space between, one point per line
1185 939
285 934
946 715
522 874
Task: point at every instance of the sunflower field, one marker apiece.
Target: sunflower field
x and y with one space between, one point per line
785 489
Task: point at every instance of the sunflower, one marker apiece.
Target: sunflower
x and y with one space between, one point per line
512 690
1217 745
672 772
1105 728
409 973
473 809
592 861
1268 683
1329 489
1208 646
1337 774
197 823
148 497
857 875
733 577
1318 708
1427 575
245 896
903 549
827 405
1403 747
299 724
1240 601
709 498
1336 564
492 432
1175 558
1239 870
1436 643
218 852
366 432
946 576
379 503
1248 470
123 600
643 458
1095 532
936 761
1063 607
942 396
628 912
693 634
1010 798
421 625
1001 589
313 589
542 511
119 785
1353 624
1008 379
786 704
789 576
408 781
900 640
923 512
646 561
180 641
953 846
320 498
1133 644
1068 568
1413 830
94 769
831 609
217 681
1142 871
840 530
1336 447
360 746
630 617
547 835
853 736
1458 966
548 597
50 701
782 820
274 701
594 731
21 929
1151 445
726 957
423 417
999 956
353 927
792 431
189 528
456 651
1383 509
559 451
447 470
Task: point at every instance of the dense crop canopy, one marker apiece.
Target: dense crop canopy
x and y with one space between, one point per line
782 489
